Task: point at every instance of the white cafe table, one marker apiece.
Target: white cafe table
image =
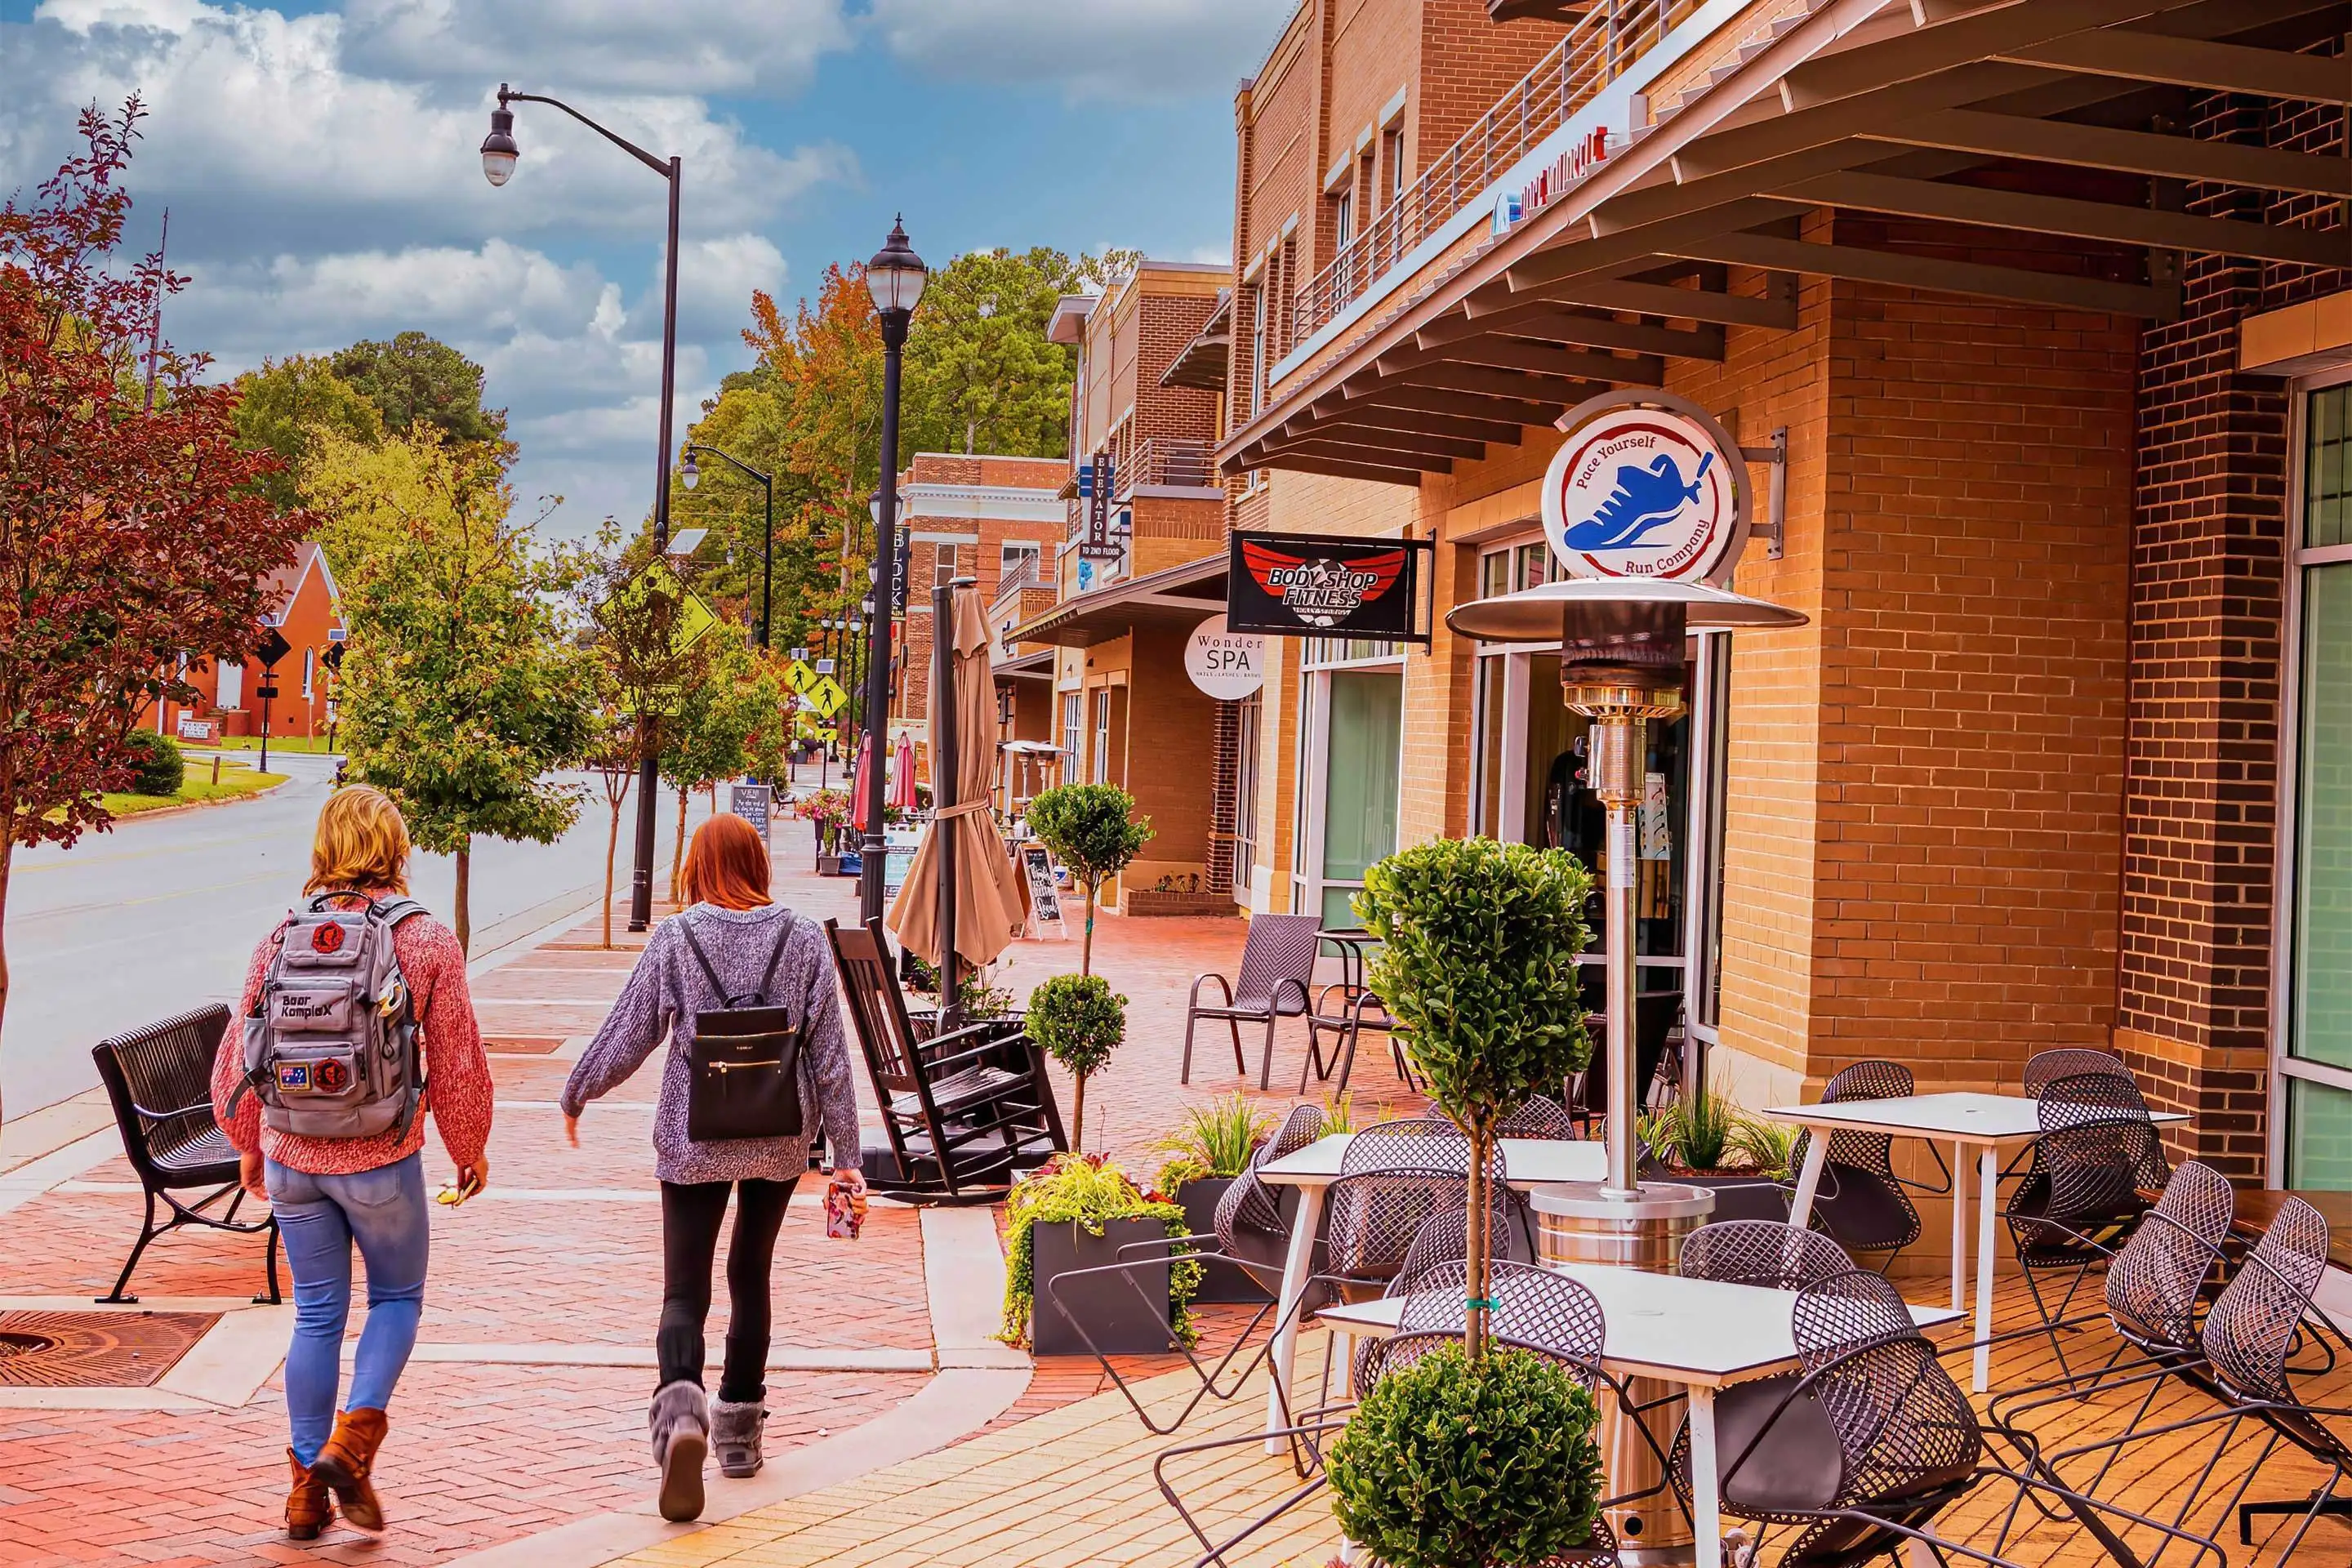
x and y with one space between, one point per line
1986 1123
1527 1163
1700 1334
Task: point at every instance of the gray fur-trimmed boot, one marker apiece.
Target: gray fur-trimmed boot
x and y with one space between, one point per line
680 1423
735 1433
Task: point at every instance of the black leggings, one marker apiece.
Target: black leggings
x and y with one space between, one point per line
691 1213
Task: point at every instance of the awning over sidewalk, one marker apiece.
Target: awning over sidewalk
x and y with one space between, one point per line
1176 596
1915 122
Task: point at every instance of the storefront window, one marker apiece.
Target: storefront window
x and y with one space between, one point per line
2319 1135
1360 795
1248 713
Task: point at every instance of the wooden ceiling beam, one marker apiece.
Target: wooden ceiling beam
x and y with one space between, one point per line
2196 62
1346 433
1949 277
1538 359
1367 454
1496 432
1468 404
2128 151
1777 314
2077 219
1336 468
1484 381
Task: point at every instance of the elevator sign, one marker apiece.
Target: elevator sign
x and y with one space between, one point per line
1227 666
1647 485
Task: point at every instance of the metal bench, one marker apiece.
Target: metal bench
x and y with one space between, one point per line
160 1081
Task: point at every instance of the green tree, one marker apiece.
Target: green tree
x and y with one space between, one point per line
1092 828
725 698
1477 967
463 687
416 380
286 406
1078 1020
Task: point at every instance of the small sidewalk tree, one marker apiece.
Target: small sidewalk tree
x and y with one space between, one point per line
1091 829
1078 1020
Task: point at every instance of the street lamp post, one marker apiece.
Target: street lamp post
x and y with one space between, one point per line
499 152
692 473
895 279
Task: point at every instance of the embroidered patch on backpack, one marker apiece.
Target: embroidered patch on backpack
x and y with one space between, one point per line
327 938
293 1074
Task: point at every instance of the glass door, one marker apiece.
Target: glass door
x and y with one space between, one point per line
1364 751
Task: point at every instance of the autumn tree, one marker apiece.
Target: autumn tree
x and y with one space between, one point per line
128 536
463 687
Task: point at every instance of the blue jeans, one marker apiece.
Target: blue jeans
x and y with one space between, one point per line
321 1217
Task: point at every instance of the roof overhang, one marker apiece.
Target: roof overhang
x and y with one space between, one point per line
1067 324
1034 666
1913 122
1174 597
1200 363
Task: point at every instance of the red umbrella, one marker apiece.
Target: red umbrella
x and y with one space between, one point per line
857 783
902 774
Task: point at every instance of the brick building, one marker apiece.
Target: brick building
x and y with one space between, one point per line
2047 306
307 609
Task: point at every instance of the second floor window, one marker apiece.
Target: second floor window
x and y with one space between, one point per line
1392 160
943 564
1343 218
1021 562
1258 343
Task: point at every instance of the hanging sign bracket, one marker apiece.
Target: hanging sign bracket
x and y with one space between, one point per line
1774 524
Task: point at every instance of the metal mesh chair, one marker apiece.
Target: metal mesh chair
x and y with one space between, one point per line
1540 1117
1861 1201
1277 962
1252 1233
2046 1068
2155 1282
159 1080
1761 1252
2081 1198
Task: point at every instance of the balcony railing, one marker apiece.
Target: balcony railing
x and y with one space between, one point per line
1168 460
1600 46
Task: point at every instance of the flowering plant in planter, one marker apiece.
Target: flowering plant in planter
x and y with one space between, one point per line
828 809
1090 1190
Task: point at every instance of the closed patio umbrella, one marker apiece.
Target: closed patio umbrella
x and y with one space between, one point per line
989 907
902 774
857 783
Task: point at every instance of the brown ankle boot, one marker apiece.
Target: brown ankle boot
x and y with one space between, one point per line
309 1508
344 1463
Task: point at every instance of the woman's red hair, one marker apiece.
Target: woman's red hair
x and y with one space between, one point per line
726 865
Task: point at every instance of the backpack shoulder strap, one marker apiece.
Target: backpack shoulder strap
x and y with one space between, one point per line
775 957
694 944
393 910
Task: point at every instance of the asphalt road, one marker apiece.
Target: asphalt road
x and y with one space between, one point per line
159 915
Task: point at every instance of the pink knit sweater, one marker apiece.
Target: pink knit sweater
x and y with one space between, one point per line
457 1073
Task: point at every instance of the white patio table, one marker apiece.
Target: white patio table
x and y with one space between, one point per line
1701 1334
1527 1163
1986 1123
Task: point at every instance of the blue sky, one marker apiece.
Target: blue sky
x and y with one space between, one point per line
319 160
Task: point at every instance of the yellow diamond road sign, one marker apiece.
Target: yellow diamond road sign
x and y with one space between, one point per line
828 697
692 621
799 677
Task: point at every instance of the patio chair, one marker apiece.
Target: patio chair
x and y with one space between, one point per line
1277 962
1253 1233
1778 1256
2046 1068
1861 1201
2081 1197
159 1080
961 1124
1871 1448
1540 1117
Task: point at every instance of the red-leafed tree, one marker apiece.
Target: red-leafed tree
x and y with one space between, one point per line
129 533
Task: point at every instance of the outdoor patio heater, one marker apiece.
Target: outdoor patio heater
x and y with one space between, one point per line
1621 666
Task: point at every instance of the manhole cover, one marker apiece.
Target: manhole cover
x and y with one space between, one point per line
95 1350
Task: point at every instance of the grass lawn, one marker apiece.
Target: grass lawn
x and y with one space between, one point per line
312 743
236 779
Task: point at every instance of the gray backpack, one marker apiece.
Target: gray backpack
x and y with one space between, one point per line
331 1046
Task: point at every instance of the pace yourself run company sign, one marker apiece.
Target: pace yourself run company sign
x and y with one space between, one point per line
1647 485
1316 585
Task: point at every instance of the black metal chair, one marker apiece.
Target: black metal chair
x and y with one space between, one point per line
1277 962
961 1123
2046 1068
2080 1196
159 1080
1777 1257
1861 1201
1872 1446
1540 1117
1253 1233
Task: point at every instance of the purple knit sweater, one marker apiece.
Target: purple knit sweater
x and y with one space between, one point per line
668 988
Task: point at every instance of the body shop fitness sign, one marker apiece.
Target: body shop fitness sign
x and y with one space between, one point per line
1647 485
1313 585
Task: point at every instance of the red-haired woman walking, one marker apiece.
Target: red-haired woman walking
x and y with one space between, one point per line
732 944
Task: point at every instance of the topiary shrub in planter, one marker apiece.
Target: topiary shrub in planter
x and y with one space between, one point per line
1456 1463
157 766
1075 1212
1078 1020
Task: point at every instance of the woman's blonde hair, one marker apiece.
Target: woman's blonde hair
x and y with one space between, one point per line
362 843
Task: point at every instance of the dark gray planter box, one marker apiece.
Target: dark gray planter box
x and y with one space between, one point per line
1221 1281
1125 1314
1739 1194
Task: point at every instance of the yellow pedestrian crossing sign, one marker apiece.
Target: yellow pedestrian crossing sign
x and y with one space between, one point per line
799 677
826 696
690 620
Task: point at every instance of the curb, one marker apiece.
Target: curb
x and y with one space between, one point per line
188 806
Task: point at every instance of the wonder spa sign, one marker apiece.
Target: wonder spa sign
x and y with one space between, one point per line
1647 485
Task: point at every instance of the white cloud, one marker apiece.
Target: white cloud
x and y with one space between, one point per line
678 46
1090 48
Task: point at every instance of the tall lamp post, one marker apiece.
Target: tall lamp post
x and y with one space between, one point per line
498 155
692 473
895 279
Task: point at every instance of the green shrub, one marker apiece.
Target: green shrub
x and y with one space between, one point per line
1694 1134
1078 1020
1452 1463
1762 1145
1090 1190
157 766
1213 1140
1092 829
